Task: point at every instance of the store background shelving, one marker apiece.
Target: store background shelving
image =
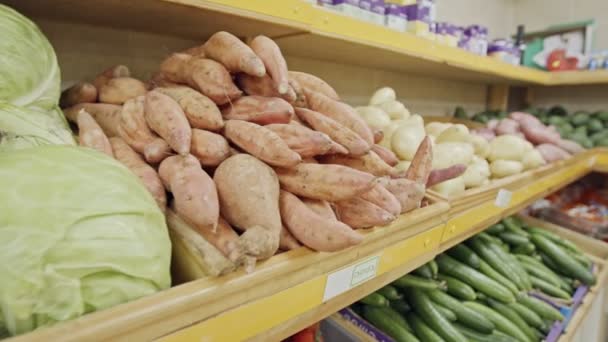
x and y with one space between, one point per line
285 293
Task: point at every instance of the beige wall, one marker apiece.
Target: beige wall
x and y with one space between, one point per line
538 14
497 15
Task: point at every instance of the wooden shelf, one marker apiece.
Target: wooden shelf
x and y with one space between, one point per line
302 30
286 293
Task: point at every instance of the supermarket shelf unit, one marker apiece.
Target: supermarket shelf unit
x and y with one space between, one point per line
303 30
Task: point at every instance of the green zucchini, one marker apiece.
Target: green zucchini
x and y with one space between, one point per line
543 309
379 318
486 269
541 272
400 305
375 299
424 271
512 316
563 260
513 226
531 317
434 268
582 259
398 318
424 307
390 292
464 315
489 255
464 254
476 336
413 281
512 263
502 323
513 239
445 312
556 239
477 280
422 330
458 288
495 229
549 288
525 249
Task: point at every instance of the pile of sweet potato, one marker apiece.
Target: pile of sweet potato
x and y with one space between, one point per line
254 157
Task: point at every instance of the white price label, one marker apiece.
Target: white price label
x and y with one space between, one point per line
503 198
349 277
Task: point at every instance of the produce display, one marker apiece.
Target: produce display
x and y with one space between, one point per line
79 232
500 285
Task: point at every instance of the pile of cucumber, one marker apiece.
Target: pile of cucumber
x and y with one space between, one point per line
480 289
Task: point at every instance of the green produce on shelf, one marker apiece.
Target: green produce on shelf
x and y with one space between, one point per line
563 261
458 288
375 299
502 323
379 318
413 281
424 307
423 330
465 316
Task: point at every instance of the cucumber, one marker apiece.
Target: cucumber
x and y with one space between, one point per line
484 249
477 280
457 288
525 249
543 309
422 330
423 306
434 268
400 305
475 336
491 238
463 253
513 239
567 244
397 318
464 315
531 317
512 263
541 273
502 323
563 260
413 281
582 259
549 288
481 297
445 312
382 321
390 292
424 271
512 316
492 273
495 229
375 299
547 261
512 225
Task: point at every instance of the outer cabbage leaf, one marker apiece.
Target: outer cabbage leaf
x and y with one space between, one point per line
79 232
29 72
28 127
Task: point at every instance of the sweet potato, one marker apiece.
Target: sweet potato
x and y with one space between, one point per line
259 109
195 197
249 199
167 119
91 135
325 182
369 162
359 213
205 75
313 83
378 135
300 97
408 193
106 115
138 166
235 55
110 73
261 143
342 135
302 140
263 86
209 148
422 163
385 154
341 113
570 146
224 239
159 79
270 54
78 93
383 198
539 134
200 111
197 51
551 153
442 175
322 208
134 130
119 89
313 230
287 241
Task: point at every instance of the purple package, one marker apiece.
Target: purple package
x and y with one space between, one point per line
366 327
365 5
395 10
378 7
395 17
422 10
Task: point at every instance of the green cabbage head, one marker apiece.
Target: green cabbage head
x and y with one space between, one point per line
79 232
29 73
